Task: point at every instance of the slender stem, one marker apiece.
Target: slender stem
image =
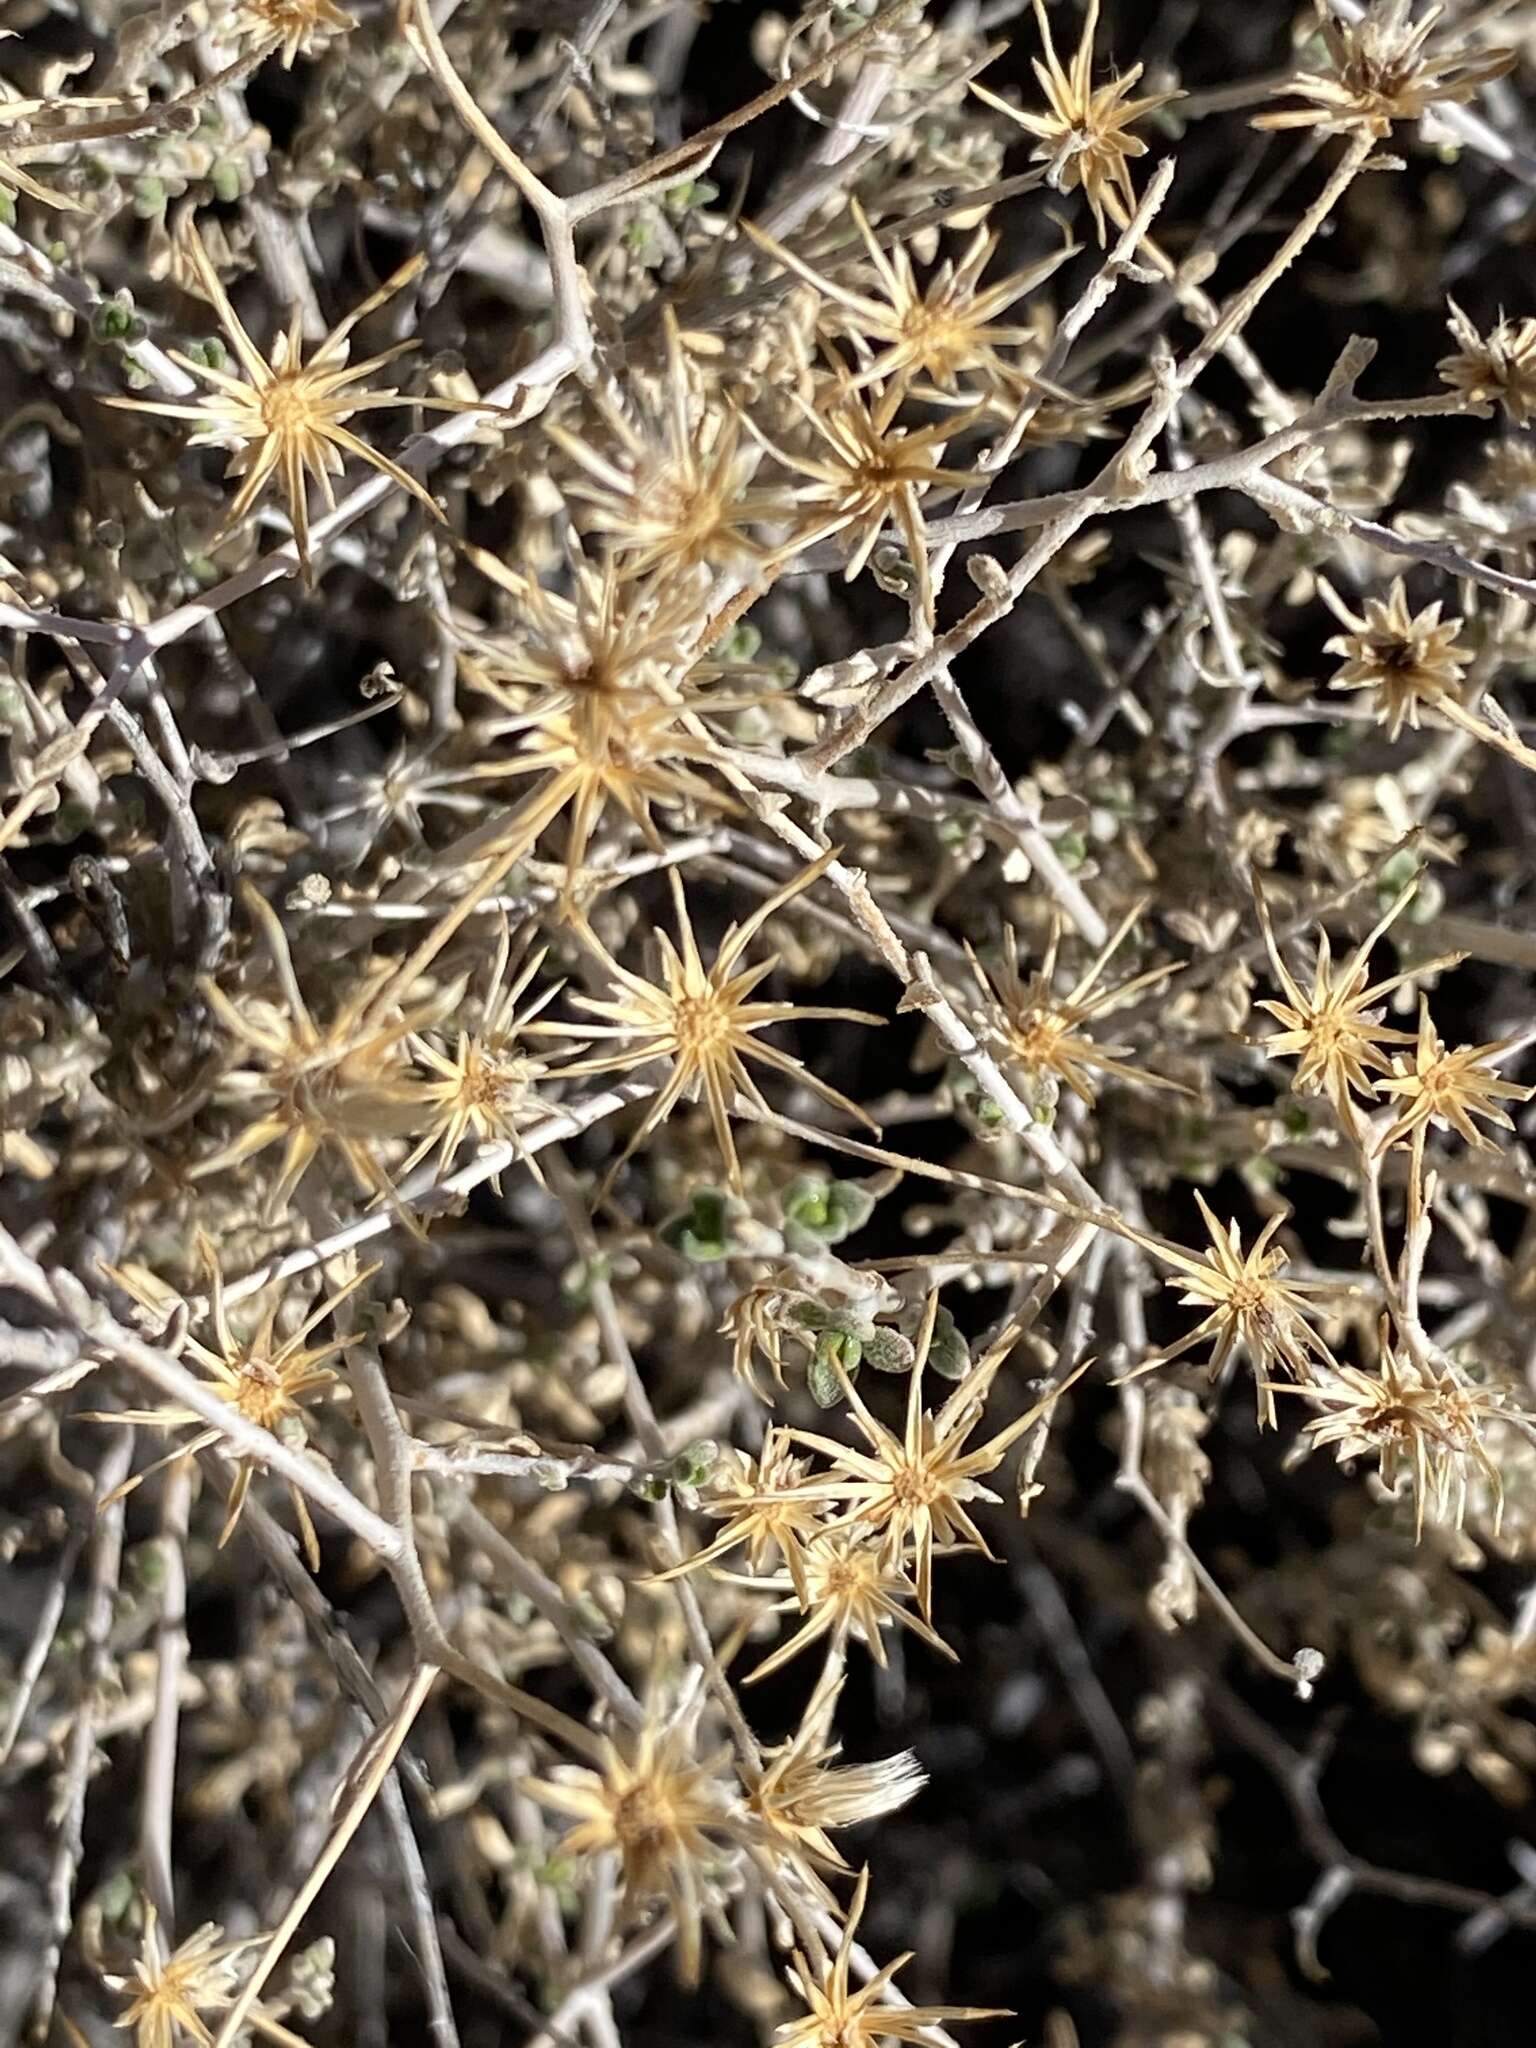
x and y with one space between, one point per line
158 1790
369 1770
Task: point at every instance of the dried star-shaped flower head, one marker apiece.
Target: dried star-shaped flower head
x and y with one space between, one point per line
1500 365
286 419
596 686
630 754
486 1087
1335 1032
864 471
346 1084
758 1320
800 1793
777 1309
679 495
852 1593
1447 1086
838 2016
1381 71
295 27
1415 1417
912 1491
1084 137
944 331
1409 660
1043 1032
172 1995
702 1021
1247 1304
393 798
264 1377
656 1808
612 636
763 1512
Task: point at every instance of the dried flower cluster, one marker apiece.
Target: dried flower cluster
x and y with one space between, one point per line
767 1226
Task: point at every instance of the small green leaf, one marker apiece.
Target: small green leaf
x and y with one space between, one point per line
887 1350
1072 849
116 1897
681 199
703 1231
826 1211
113 319
741 644
590 1619
834 1348
948 1354
822 1383
149 197
812 1315
147 1565
1397 873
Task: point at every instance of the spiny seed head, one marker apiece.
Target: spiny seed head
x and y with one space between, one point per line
1448 1086
1383 70
1500 365
1419 1419
1044 1031
704 1021
1084 135
285 419
1335 1030
659 1810
1407 660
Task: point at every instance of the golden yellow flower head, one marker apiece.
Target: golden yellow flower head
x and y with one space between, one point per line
598 688
853 1592
946 330
1043 1031
676 492
912 1492
800 1794
1247 1304
173 1994
764 1514
485 1086
865 471
1447 1086
265 1377
345 1084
